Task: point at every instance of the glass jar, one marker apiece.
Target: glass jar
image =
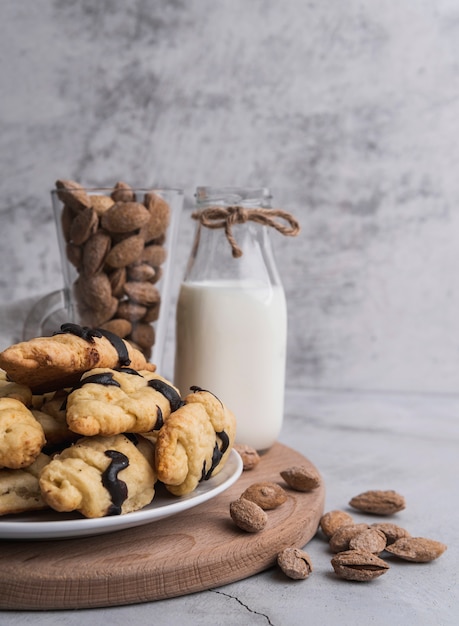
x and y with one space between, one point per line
231 321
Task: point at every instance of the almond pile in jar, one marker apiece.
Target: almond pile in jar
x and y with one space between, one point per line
115 240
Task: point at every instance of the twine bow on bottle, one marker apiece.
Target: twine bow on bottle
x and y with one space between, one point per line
226 217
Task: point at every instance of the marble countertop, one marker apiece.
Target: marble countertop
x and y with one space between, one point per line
358 441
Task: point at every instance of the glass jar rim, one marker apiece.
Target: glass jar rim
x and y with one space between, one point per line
209 193
110 189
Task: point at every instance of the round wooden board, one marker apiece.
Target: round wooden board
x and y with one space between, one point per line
195 550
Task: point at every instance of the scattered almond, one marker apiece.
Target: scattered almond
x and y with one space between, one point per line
247 515
339 541
295 563
371 540
331 521
358 565
267 495
301 478
250 457
378 502
417 549
391 531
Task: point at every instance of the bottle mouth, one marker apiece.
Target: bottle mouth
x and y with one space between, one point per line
245 196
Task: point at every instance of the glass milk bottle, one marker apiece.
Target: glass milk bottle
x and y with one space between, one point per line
231 322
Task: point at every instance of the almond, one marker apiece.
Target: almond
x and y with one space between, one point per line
95 290
100 203
358 565
417 549
131 311
247 515
158 274
372 539
98 316
392 532
250 457
73 195
341 538
154 255
74 254
142 293
152 313
117 280
94 252
295 563
67 217
331 521
378 502
143 335
125 217
301 478
142 272
83 226
125 252
122 192
267 495
159 216
118 326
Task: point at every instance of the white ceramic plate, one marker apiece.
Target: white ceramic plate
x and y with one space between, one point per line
52 525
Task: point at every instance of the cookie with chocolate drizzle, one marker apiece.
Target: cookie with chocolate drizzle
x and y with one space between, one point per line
101 476
195 442
112 401
50 363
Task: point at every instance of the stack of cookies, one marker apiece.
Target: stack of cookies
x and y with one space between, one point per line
88 425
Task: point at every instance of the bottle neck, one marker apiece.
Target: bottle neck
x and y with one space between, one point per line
226 249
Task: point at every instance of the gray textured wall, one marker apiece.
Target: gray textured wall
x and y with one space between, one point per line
349 111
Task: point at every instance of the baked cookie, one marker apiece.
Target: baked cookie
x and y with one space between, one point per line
112 401
194 442
50 363
20 489
9 389
101 476
21 436
52 417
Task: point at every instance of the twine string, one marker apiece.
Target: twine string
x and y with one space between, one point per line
225 217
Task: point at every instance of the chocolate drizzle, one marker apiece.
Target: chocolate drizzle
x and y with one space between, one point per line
84 332
128 370
88 334
104 378
168 392
216 455
159 419
132 437
118 344
117 488
195 389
